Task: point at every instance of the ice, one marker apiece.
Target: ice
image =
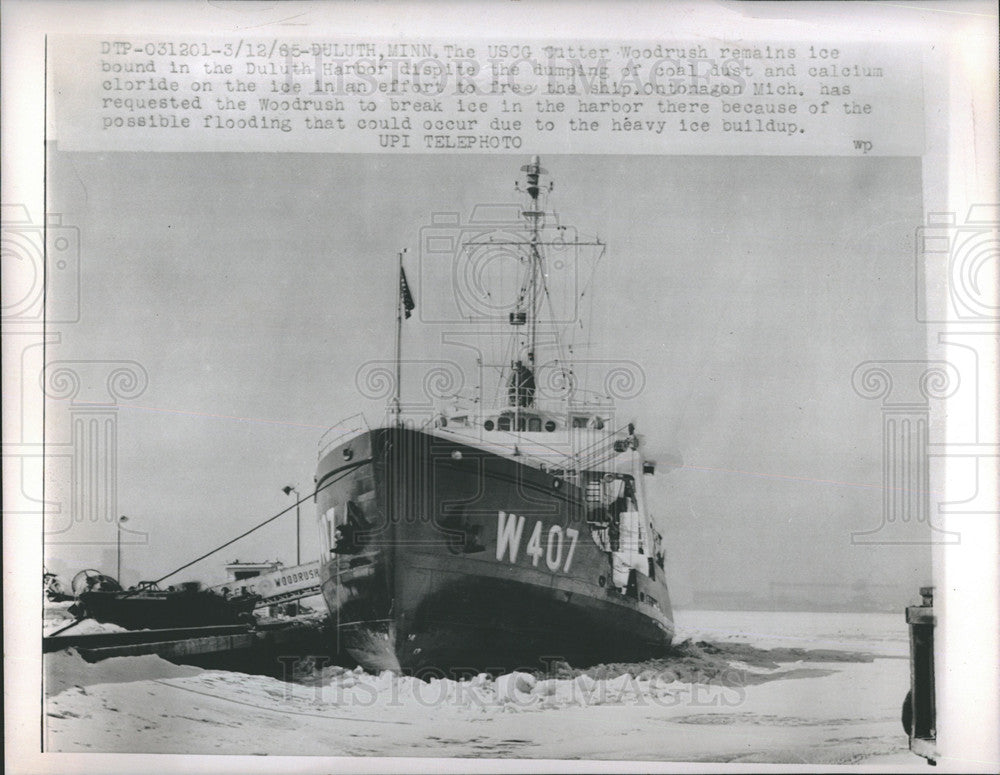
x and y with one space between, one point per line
714 701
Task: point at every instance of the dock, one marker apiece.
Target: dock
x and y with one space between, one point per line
251 648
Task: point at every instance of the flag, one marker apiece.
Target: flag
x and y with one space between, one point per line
405 297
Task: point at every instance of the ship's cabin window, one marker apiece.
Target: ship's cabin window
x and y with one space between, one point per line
522 421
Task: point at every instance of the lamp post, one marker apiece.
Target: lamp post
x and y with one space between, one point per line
288 490
122 519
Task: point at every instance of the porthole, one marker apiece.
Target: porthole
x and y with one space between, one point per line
550 426
556 484
489 425
601 580
348 453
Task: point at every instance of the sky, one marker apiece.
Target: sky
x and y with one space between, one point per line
254 289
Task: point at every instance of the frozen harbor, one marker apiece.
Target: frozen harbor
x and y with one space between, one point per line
830 693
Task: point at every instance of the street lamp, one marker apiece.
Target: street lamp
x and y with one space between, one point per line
122 519
288 490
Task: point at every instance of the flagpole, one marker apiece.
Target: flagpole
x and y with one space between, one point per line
399 339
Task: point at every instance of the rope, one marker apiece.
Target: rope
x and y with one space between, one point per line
256 527
223 546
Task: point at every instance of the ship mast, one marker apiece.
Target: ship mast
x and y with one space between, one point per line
521 388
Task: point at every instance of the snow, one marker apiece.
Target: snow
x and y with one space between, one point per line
802 712
55 616
68 669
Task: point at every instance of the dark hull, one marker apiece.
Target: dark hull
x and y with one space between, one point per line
159 610
419 582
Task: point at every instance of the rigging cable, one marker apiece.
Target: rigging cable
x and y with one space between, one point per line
257 526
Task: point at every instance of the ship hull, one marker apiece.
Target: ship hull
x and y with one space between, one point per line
447 557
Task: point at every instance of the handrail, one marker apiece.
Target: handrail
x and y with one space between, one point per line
324 444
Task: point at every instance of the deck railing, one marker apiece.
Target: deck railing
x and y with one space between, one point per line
340 431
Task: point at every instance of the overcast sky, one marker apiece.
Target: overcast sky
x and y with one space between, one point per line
252 288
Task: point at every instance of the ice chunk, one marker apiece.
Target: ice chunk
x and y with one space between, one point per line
515 688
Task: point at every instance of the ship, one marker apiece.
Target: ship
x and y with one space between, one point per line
489 537
146 606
